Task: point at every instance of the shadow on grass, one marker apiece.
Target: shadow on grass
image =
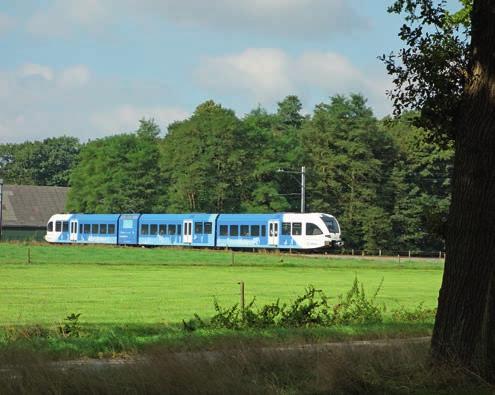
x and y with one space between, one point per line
110 340
394 369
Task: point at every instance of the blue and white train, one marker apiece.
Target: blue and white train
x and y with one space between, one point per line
307 231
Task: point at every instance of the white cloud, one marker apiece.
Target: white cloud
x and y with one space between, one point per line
74 76
126 118
268 75
6 23
295 18
299 19
72 101
36 70
262 73
61 17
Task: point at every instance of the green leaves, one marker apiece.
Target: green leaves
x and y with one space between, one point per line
118 174
46 162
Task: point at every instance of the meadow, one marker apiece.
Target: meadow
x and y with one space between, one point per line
118 285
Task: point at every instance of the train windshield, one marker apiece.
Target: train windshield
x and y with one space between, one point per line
331 224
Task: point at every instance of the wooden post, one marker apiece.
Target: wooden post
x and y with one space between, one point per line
379 252
29 255
232 257
440 255
241 284
362 253
352 251
398 256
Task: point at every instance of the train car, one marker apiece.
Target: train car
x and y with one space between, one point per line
306 231
281 230
177 229
83 228
248 230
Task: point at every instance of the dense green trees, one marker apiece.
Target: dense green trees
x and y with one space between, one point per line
46 162
383 179
350 160
204 161
118 174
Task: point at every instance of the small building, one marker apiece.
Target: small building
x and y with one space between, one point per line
27 208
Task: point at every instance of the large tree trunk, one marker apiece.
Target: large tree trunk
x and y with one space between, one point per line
465 323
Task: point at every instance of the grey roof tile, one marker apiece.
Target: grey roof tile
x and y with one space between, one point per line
30 205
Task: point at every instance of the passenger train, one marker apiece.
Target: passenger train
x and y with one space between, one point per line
305 231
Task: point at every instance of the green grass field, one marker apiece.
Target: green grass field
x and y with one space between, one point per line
117 285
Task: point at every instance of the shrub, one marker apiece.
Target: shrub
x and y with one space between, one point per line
356 308
419 314
310 309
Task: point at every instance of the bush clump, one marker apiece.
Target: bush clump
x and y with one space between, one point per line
308 310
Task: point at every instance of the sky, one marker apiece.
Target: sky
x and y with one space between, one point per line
93 68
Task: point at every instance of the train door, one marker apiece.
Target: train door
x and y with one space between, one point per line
73 231
187 232
273 233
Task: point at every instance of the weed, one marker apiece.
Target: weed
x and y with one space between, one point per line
356 307
419 314
71 328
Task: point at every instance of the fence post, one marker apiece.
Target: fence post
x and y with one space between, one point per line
232 257
352 251
379 252
398 256
440 255
29 255
362 253
241 284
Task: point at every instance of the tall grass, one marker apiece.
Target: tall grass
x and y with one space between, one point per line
370 369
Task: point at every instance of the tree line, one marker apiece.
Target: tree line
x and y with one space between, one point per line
385 181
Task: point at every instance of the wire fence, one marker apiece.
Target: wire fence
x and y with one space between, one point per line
393 253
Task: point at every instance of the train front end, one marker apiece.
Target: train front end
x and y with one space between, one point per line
57 229
333 237
310 231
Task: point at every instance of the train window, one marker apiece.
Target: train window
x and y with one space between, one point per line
111 229
331 224
312 229
285 228
153 229
144 229
103 229
198 228
171 229
244 230
49 228
224 230
179 229
263 230
234 230
58 226
65 226
296 228
208 228
94 228
127 224
87 228
255 230
162 230
81 228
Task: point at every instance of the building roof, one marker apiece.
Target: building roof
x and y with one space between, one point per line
30 205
